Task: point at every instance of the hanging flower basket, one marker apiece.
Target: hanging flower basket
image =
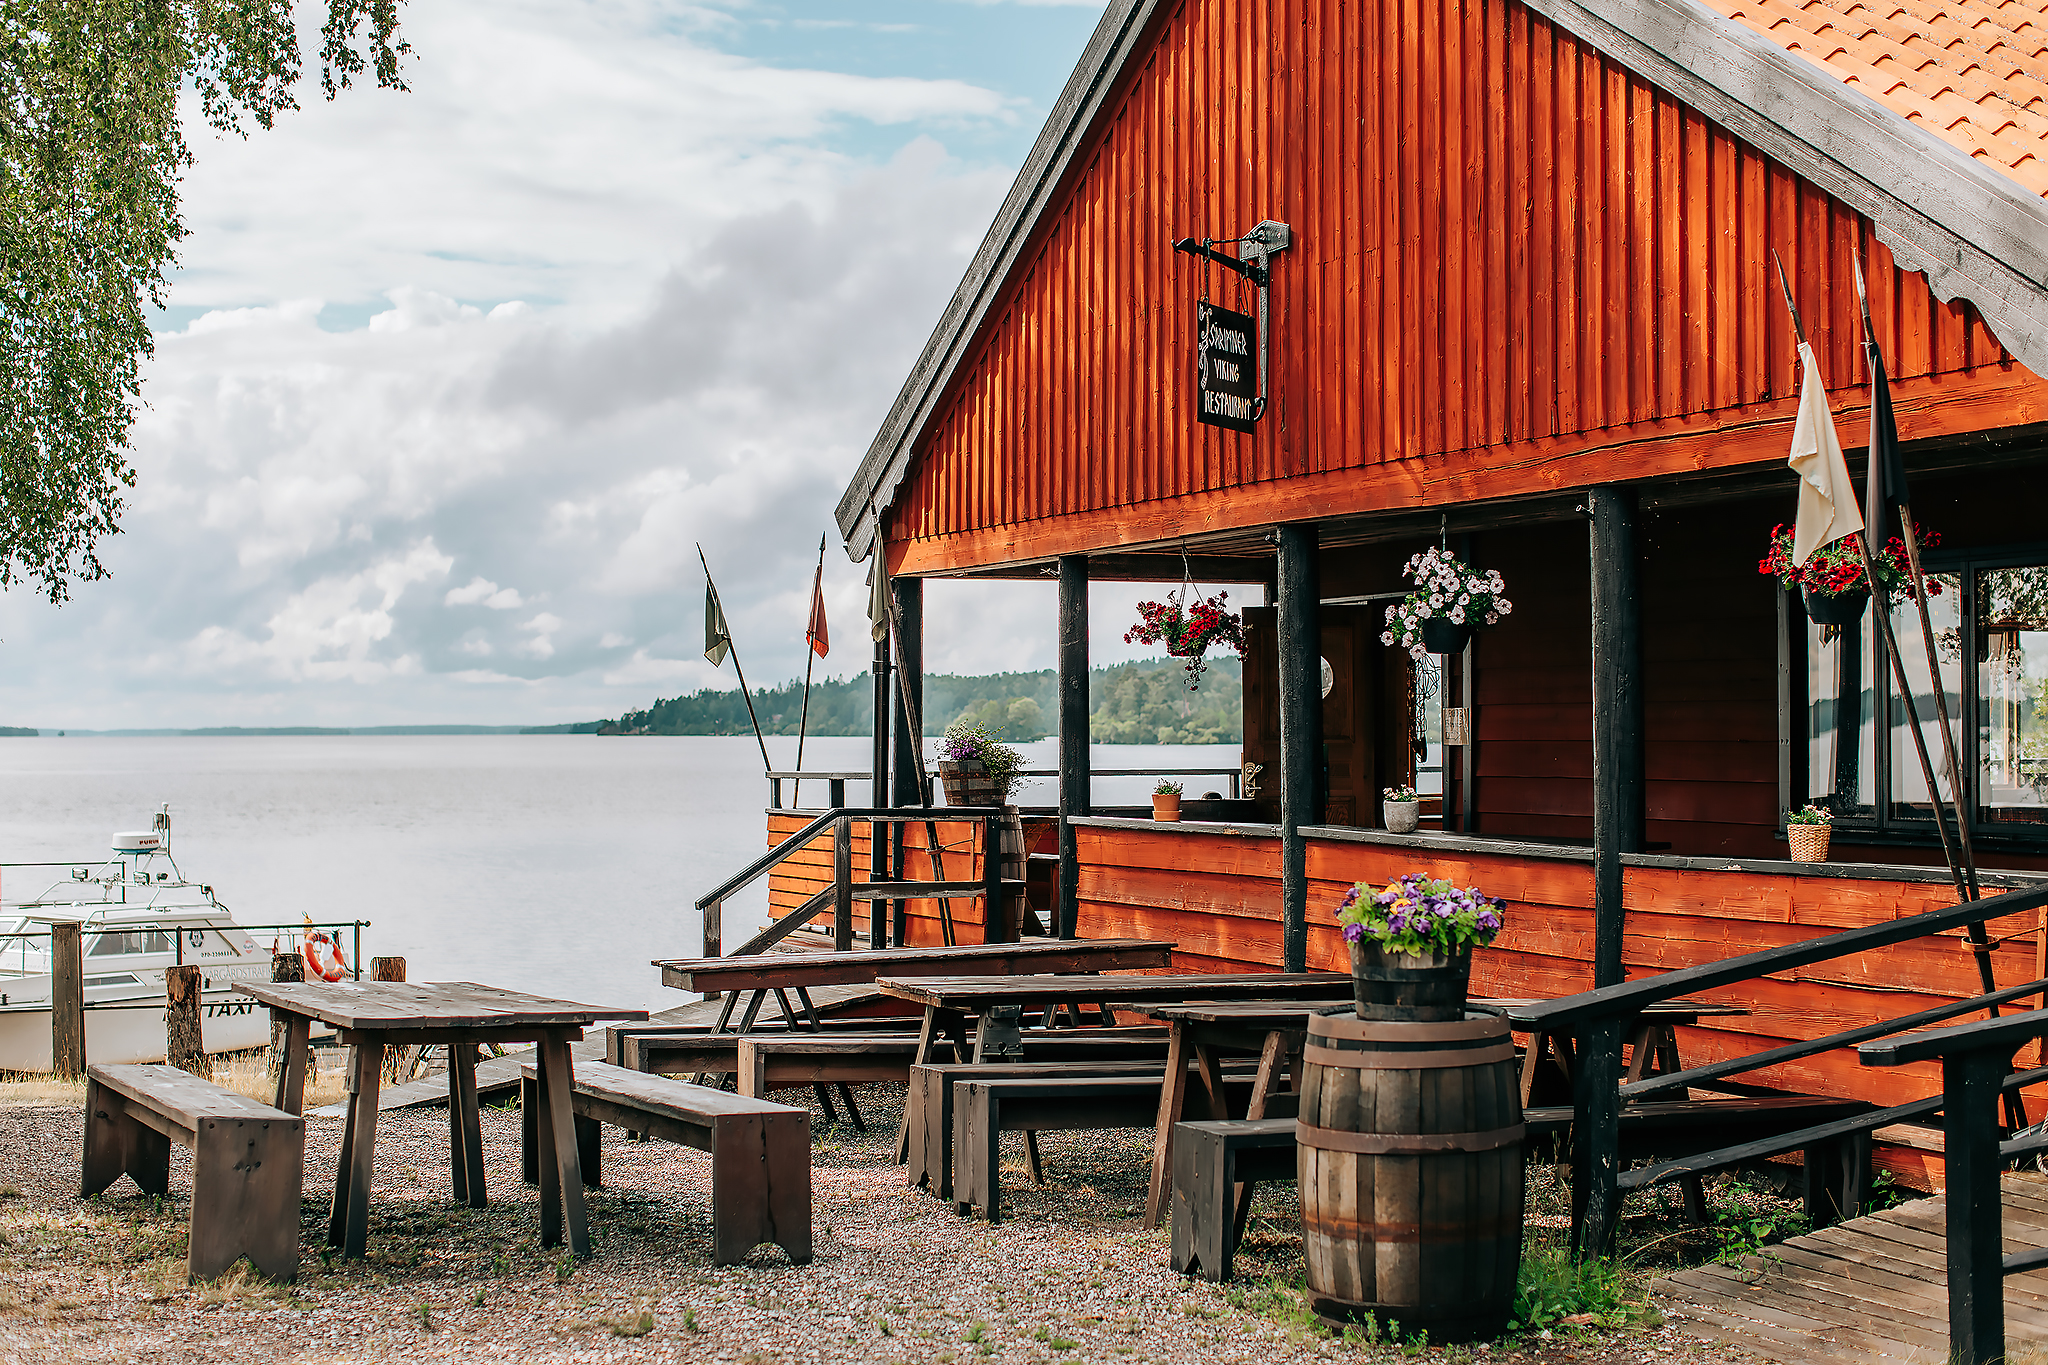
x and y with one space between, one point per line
1189 631
1451 599
1832 585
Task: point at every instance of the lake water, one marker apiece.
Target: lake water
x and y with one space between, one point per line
559 864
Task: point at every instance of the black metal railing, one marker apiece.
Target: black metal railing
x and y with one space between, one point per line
1599 1020
1976 1066
840 894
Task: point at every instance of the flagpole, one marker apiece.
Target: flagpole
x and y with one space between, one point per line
745 696
803 719
1891 647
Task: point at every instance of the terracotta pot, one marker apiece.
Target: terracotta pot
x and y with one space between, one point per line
1400 817
967 783
1166 806
1409 987
1809 842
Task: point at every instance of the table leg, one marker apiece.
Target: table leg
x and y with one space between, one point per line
1641 1046
362 1122
725 1011
547 1160
291 1075
1172 1094
561 1117
465 1126
927 1035
1272 1057
1211 1073
337 1212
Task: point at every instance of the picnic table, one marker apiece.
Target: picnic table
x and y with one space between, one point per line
780 973
1276 1030
997 1004
373 1015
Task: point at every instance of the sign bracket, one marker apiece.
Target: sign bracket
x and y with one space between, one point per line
1254 264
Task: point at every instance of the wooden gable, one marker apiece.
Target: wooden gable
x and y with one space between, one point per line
1516 267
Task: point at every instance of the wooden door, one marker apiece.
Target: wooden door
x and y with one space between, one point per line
1351 703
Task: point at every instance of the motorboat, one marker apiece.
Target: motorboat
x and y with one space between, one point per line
139 915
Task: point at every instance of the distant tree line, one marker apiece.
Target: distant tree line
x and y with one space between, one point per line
1136 703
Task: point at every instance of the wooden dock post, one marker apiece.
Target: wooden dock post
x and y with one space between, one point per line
283 967
1301 730
67 1000
1075 795
185 1045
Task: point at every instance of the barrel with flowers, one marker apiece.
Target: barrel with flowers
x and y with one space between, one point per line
1409 1141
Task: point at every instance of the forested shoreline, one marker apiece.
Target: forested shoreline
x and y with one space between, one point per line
1147 702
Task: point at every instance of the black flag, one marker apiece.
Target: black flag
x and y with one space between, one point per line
1887 482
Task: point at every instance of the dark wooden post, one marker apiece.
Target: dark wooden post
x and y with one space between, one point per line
283 967
909 593
842 883
1301 730
67 1000
885 842
1076 796
1617 720
1596 1136
996 920
1971 1084
185 1046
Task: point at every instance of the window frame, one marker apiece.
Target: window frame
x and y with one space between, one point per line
1886 827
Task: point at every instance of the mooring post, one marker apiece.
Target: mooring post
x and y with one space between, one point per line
283 967
186 1046
67 1000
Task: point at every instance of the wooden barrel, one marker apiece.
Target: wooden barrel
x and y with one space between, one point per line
1011 849
1410 1160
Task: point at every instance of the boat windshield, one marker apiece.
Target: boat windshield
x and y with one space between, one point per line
131 941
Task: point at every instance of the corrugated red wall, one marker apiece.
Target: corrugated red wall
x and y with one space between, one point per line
1505 246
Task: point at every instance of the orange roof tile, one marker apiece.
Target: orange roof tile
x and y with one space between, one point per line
1973 72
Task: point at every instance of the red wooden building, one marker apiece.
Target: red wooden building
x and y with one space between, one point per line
1525 304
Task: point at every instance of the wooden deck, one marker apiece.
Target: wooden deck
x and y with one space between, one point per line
1873 1289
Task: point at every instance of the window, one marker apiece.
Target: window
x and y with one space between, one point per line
135 941
1842 696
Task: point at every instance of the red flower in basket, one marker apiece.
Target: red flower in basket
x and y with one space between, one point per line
1189 631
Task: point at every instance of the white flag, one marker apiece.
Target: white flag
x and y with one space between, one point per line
1827 498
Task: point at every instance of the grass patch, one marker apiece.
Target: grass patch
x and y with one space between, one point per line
1556 1288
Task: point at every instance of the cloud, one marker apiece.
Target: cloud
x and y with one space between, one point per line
481 591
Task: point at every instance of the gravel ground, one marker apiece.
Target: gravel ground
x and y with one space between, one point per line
1068 1276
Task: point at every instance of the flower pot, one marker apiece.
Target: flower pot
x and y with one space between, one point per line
1409 987
967 783
1400 816
1441 636
1809 842
1841 609
1166 806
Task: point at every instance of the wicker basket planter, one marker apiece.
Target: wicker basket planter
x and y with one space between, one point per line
1809 842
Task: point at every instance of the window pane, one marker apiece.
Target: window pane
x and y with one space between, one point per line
1909 781
1841 767
2012 726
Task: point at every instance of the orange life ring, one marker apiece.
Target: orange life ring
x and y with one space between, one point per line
323 957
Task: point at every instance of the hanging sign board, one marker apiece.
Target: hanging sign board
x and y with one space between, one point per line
1227 368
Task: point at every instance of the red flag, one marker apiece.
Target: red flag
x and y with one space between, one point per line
815 634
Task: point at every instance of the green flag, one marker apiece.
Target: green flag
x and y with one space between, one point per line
717 635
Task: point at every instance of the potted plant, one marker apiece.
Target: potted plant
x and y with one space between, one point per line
1166 801
1411 946
976 770
1400 808
1807 831
1832 584
1451 598
1189 630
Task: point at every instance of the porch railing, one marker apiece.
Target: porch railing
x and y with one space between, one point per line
835 782
1599 1020
840 894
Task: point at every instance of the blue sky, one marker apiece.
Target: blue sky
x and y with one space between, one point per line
453 381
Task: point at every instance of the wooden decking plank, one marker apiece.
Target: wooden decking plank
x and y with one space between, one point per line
1836 1302
1786 1330
1931 1251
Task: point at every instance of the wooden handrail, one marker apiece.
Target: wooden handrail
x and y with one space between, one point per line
1974 1061
889 815
1616 1002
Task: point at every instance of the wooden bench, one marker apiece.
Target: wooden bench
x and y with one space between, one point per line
717 1054
1211 1161
248 1161
983 1110
928 1107
760 1151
